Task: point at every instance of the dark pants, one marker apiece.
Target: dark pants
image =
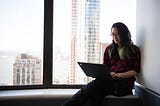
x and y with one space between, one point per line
96 90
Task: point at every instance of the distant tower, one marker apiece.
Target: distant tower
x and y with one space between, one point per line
92 23
27 70
73 40
85 36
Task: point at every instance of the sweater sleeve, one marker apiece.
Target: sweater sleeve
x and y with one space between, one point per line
136 60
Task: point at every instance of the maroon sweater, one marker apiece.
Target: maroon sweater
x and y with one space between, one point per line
115 64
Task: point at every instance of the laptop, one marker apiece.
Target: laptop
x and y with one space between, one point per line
95 70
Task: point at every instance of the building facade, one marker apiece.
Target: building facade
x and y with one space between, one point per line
85 44
27 70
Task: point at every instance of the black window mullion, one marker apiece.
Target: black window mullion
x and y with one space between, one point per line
48 43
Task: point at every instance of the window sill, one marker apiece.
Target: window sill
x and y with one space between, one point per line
44 93
36 93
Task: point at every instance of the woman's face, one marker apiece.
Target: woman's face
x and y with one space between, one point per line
115 36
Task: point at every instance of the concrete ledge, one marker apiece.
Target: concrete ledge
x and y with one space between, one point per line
47 93
55 97
37 94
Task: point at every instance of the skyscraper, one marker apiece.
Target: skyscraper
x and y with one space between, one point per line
73 40
27 70
85 36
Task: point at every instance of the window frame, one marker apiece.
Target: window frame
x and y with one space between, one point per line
47 54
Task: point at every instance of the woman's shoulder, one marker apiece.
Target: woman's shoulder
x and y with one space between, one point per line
136 48
110 46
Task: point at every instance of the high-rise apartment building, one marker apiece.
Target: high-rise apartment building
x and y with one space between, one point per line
85 36
73 40
27 70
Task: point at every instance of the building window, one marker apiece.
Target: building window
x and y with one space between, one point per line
21 41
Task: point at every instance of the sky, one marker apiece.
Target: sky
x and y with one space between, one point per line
21 25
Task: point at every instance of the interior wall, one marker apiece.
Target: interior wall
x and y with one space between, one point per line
148 38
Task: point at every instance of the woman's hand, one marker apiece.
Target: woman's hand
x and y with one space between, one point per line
114 75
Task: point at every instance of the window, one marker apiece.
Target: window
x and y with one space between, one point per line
21 42
73 31
38 50
80 29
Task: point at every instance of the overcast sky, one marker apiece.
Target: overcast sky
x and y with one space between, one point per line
21 25
21 21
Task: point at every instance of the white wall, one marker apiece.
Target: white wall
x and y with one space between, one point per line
148 38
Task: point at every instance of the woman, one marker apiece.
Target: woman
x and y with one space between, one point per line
122 58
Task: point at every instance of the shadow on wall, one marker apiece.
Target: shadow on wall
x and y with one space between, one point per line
141 42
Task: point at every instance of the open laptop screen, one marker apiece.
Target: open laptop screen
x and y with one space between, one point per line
95 70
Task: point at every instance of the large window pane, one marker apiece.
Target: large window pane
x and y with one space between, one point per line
76 38
21 42
81 32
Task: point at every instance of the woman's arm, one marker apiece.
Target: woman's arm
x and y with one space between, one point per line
127 74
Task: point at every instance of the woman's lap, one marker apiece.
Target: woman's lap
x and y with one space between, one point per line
95 91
